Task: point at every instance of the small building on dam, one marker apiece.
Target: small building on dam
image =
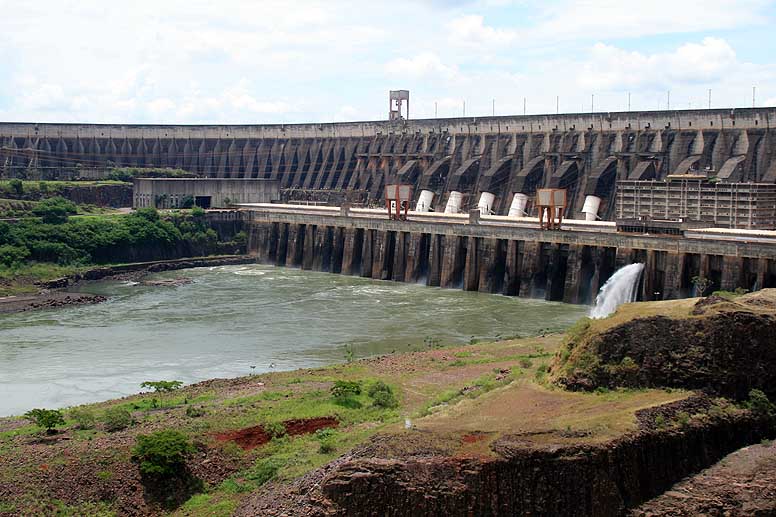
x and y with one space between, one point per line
202 192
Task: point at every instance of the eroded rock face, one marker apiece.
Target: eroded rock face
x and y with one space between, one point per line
520 478
727 348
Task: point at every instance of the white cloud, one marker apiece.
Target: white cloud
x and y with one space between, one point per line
196 61
471 30
426 64
614 68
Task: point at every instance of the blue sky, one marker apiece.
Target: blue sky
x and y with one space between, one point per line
197 61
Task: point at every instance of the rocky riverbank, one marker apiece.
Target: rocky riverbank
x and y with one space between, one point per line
62 292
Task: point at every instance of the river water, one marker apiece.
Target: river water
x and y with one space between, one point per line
234 317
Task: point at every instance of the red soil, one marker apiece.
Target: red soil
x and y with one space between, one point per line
252 437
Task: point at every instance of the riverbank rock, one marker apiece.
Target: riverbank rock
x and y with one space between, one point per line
717 344
47 300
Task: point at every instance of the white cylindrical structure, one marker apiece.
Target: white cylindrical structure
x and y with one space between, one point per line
517 208
486 203
424 201
590 208
453 202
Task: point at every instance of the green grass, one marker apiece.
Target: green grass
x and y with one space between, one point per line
472 390
20 280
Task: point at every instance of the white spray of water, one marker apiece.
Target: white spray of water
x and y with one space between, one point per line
621 288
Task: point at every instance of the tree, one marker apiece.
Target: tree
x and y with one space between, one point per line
163 453
11 256
162 386
702 284
54 210
46 418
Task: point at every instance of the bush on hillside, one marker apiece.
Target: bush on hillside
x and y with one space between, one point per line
54 210
13 256
116 419
46 418
163 453
383 395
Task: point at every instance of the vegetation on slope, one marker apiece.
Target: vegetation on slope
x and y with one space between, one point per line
274 428
53 243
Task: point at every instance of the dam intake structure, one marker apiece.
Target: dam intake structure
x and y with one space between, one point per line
503 255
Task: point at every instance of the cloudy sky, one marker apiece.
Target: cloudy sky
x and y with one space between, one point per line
267 61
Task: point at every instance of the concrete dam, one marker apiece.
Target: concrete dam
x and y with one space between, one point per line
490 165
455 163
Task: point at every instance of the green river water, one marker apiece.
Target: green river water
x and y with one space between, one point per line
234 317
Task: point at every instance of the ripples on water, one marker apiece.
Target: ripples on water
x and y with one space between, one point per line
232 317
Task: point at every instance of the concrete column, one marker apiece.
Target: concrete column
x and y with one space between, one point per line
295 244
320 249
623 258
282 244
513 267
573 272
367 253
348 251
436 254
309 247
259 238
450 261
732 268
412 265
488 251
672 286
471 273
400 253
762 272
337 249
530 264
650 268
379 255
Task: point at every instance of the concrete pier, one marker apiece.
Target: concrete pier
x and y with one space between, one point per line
503 255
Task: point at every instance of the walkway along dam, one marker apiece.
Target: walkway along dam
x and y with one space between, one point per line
512 256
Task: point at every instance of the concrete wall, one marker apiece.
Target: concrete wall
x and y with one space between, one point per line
585 153
568 266
170 193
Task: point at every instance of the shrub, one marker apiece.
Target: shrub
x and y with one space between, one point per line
162 386
17 187
54 210
525 362
683 419
163 453
46 418
383 395
326 447
275 429
758 403
345 389
195 412
265 470
13 256
116 419
84 418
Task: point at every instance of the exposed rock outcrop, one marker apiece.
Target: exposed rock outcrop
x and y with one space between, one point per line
724 346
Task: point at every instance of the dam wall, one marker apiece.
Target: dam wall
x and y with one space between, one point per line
489 255
498 156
